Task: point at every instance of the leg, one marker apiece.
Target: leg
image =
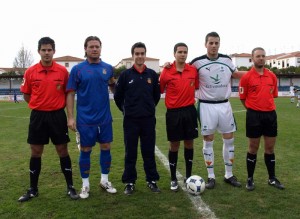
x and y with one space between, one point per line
131 135
35 169
173 157
188 156
208 154
105 163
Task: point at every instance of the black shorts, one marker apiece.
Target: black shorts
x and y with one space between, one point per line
261 123
48 124
182 123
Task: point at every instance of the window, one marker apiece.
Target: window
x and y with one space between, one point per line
298 60
66 64
250 60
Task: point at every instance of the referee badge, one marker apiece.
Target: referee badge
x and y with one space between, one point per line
241 90
271 90
104 71
149 80
192 83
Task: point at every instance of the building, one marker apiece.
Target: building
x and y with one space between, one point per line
68 61
242 59
149 62
284 60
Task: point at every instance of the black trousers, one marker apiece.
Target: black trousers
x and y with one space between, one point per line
142 129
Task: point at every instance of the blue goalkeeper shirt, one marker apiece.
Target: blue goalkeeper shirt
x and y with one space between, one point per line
90 81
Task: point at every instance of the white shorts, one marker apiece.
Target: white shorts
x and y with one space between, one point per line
216 117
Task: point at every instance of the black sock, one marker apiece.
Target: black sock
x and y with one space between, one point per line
66 168
173 156
188 156
251 162
35 169
270 163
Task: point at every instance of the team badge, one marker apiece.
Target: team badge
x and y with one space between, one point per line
192 83
58 87
271 90
241 90
149 80
104 71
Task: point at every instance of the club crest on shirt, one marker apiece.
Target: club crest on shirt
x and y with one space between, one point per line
241 90
192 84
104 71
149 80
271 90
58 86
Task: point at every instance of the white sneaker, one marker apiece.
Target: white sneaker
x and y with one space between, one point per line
108 187
84 192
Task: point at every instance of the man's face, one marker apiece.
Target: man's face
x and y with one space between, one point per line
139 55
259 58
46 52
212 45
93 49
181 54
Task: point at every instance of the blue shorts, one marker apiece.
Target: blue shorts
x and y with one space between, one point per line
91 134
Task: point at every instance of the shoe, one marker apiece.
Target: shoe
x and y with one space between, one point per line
31 193
84 192
275 182
108 187
211 182
153 187
129 189
233 181
250 184
72 193
174 186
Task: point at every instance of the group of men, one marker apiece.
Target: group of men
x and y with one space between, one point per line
48 89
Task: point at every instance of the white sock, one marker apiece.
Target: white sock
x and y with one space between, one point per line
208 153
85 182
104 178
228 156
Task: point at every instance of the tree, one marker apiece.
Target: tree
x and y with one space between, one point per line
23 60
117 71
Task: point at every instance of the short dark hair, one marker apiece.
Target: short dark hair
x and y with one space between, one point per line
257 48
179 44
138 45
44 41
211 34
90 38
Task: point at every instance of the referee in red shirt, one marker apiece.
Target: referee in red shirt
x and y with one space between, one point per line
44 89
179 82
257 90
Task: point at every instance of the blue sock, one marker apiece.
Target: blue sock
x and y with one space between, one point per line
105 161
85 163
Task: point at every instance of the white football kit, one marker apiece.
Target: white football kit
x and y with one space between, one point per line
214 91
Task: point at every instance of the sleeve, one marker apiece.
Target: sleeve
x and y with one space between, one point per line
26 84
73 79
196 78
275 93
156 88
119 91
162 81
243 88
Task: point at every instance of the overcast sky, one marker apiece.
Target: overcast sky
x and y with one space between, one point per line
160 24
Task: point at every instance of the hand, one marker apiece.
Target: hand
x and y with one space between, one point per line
167 65
72 124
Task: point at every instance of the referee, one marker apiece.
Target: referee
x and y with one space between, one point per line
257 90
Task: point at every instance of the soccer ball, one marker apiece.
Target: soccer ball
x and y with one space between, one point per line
195 185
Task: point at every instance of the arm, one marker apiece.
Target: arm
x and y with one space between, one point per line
26 97
243 102
119 93
70 110
112 84
156 89
238 74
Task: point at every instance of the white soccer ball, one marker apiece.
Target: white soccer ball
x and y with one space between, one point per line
195 185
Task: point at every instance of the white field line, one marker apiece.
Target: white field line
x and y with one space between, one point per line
202 208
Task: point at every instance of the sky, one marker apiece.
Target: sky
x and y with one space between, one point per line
160 24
